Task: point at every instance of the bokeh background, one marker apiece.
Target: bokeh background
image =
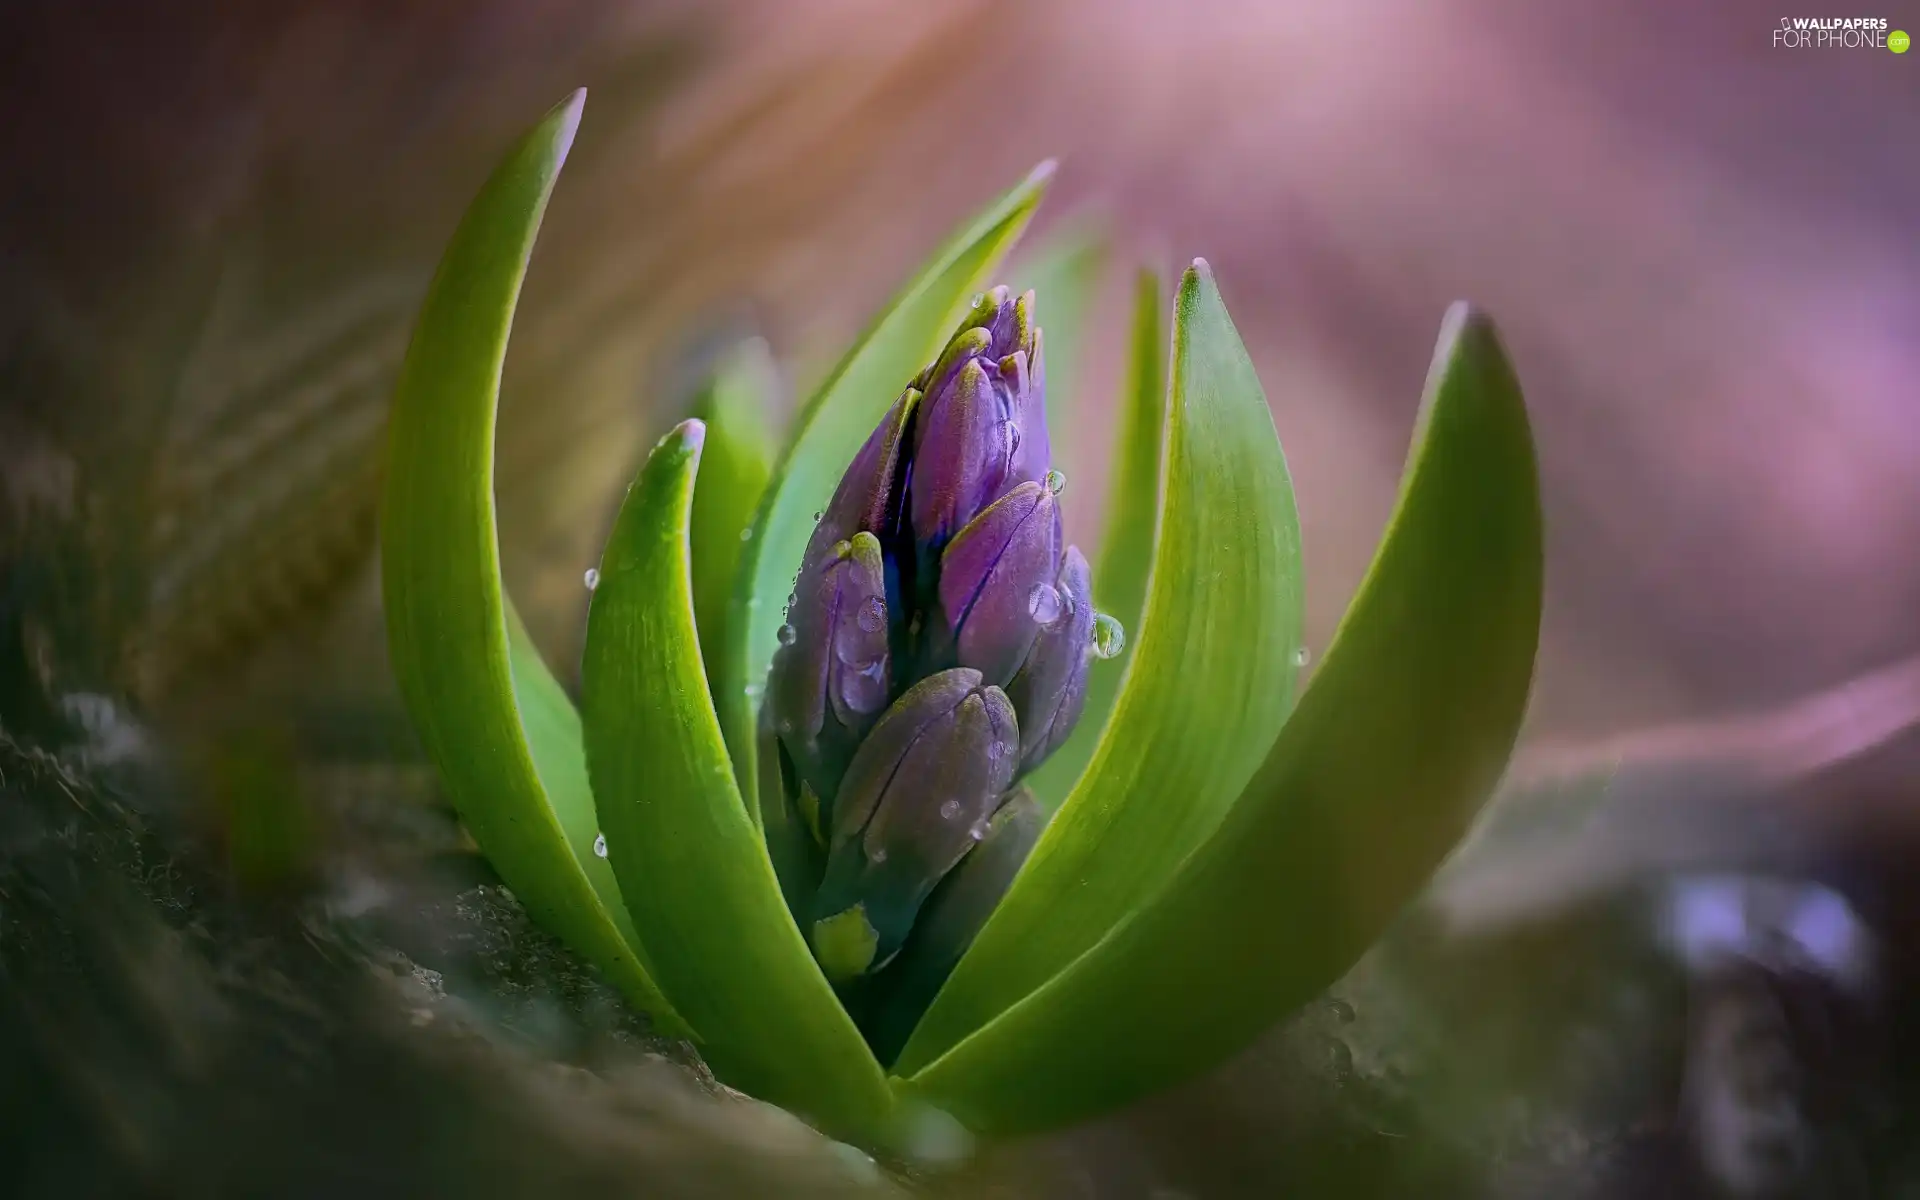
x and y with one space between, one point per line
216 219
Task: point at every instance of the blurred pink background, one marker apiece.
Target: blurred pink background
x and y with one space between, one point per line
1699 248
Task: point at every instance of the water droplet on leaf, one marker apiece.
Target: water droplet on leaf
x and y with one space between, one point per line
746 535
1108 638
600 845
593 578
1302 657
949 810
1339 1060
979 831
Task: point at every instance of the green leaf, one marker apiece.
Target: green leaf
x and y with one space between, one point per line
491 716
1400 737
1121 574
691 863
838 419
734 469
1063 277
1209 687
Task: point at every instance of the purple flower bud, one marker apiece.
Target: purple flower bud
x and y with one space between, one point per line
914 800
935 578
871 490
1051 687
982 429
832 674
951 918
996 581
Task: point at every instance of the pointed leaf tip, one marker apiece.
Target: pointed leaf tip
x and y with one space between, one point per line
691 432
568 113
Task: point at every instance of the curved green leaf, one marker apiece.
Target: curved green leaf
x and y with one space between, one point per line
838 419
734 469
491 716
1126 551
691 864
1400 737
1209 687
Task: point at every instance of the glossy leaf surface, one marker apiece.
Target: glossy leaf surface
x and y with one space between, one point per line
1210 685
488 711
691 862
1401 736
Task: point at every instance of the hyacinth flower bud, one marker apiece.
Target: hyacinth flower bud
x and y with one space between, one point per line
996 581
831 677
951 918
982 429
1051 687
914 801
938 590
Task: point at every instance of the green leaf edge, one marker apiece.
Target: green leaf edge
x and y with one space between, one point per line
1166 996
470 677
1125 565
735 468
1206 693
690 860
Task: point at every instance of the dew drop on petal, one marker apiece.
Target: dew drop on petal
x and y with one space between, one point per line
817 516
1108 638
786 635
1302 657
1013 436
979 831
873 615
1056 482
1043 603
600 845
593 578
949 810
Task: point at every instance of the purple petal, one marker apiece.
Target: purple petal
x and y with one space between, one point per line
996 577
961 452
1050 689
928 776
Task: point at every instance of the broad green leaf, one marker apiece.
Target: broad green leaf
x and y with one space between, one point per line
734 468
830 432
489 713
1126 551
1064 276
1400 737
1210 684
690 861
